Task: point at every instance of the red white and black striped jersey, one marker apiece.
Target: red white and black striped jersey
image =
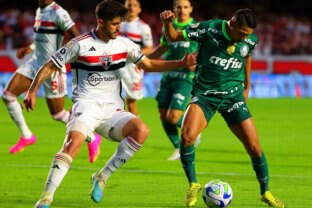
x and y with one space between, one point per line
96 66
50 24
137 31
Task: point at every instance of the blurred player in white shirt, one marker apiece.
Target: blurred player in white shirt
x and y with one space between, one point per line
98 58
51 22
139 32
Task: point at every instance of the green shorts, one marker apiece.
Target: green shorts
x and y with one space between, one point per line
174 94
233 110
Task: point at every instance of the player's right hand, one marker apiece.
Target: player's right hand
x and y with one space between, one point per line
189 60
22 52
167 16
29 101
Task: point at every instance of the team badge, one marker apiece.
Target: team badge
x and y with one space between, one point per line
106 61
244 50
231 49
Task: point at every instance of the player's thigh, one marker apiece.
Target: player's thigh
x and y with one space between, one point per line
113 128
85 117
55 86
234 110
181 93
18 84
55 105
164 95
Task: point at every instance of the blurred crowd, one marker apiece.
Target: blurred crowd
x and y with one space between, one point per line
278 35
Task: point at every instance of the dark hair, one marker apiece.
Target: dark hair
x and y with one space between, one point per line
110 9
246 17
175 2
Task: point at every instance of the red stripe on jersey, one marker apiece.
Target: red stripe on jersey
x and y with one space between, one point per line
84 36
96 59
45 23
131 35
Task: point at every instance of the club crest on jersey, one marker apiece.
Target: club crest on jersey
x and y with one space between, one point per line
106 61
244 50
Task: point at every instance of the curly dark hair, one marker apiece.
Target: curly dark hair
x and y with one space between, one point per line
110 9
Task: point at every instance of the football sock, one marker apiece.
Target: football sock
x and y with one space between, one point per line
60 165
179 124
16 114
172 133
125 150
188 162
260 166
62 116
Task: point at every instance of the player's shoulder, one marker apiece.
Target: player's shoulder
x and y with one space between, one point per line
252 39
125 42
141 23
58 9
85 36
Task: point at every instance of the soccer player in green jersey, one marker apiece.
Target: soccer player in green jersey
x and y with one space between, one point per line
175 86
221 84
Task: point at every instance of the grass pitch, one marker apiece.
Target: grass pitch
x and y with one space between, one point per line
149 179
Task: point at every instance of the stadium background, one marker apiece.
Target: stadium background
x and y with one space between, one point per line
281 63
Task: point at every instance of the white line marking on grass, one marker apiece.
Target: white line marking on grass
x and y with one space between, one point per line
161 172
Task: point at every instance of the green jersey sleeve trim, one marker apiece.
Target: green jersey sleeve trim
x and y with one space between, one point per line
185 35
181 24
163 41
225 33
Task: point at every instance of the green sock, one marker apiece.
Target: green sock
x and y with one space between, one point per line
188 162
179 124
260 166
173 134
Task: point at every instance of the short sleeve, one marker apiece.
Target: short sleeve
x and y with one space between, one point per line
66 54
196 32
64 21
147 37
134 52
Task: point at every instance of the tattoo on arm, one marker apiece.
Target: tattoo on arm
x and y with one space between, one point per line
45 72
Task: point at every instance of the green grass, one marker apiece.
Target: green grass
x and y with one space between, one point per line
149 179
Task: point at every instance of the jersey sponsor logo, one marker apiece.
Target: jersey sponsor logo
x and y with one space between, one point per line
195 25
217 41
106 61
244 50
236 106
196 33
213 30
92 49
95 78
250 41
232 63
183 44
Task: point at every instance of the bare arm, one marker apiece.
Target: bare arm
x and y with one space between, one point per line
22 52
171 34
44 73
73 31
157 52
147 50
247 76
152 65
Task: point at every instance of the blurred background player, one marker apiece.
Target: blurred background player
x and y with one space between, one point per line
140 33
222 84
51 22
97 102
175 86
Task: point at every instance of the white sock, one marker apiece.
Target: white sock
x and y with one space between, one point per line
62 116
125 150
60 165
16 114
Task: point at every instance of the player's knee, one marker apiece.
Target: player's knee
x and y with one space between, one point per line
173 118
141 131
188 137
8 96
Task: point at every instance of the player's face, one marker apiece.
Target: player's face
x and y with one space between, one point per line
183 9
240 33
133 7
44 3
111 27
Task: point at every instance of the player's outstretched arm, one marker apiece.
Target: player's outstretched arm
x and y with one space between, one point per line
152 65
171 34
45 72
22 52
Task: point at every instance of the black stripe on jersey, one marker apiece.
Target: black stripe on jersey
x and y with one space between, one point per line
140 43
56 62
46 31
98 68
138 59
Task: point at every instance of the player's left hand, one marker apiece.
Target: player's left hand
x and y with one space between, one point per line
29 101
22 52
189 60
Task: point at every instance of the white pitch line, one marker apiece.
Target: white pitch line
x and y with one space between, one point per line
162 172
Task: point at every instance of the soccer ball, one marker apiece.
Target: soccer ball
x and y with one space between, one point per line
217 194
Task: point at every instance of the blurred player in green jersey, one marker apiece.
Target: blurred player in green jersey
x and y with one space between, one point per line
221 84
175 87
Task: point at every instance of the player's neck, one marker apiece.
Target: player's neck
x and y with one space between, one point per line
101 35
184 20
131 18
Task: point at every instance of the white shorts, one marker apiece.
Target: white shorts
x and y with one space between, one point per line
132 81
54 87
106 119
